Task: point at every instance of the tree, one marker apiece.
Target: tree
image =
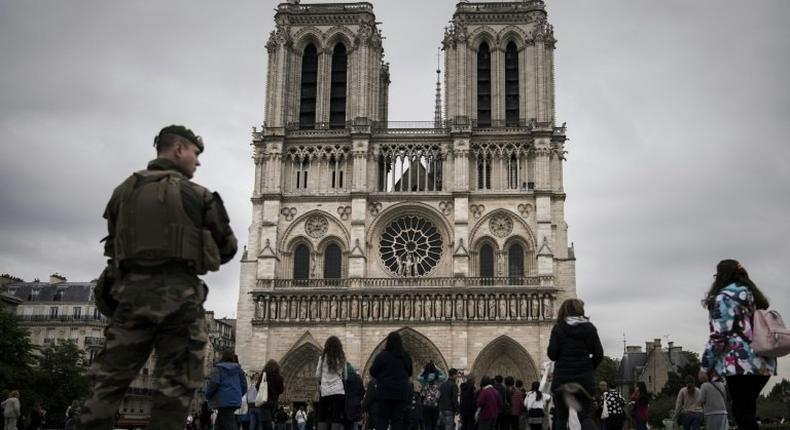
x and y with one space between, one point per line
780 391
677 380
608 371
16 353
59 379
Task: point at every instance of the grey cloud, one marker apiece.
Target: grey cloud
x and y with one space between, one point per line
677 113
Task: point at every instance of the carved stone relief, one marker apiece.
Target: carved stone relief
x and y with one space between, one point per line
477 210
501 225
288 213
316 226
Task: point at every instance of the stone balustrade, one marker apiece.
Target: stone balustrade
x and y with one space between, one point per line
325 303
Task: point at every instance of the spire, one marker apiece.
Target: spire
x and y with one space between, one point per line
437 113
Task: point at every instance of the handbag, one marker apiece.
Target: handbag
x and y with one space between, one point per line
605 408
548 374
770 337
263 392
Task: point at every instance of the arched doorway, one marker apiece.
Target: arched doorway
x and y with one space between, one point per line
504 356
298 369
419 347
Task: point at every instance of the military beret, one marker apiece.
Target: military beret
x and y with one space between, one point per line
180 130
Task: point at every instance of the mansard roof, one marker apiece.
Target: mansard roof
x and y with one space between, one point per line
65 292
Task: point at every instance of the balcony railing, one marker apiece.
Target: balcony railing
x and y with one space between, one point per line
63 318
94 341
382 283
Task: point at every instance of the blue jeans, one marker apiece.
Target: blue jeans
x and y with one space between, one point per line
692 420
446 420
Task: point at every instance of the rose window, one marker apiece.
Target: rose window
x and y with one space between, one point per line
410 246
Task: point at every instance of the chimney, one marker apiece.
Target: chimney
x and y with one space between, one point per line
633 348
648 346
669 345
56 278
657 343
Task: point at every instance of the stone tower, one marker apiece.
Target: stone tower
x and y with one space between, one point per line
450 230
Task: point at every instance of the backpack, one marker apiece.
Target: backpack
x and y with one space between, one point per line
152 224
770 337
430 396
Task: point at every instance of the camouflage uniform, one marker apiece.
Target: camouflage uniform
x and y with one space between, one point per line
159 307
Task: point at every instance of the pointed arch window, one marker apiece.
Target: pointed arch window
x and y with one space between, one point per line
301 262
308 87
484 86
511 85
486 261
515 259
332 262
337 96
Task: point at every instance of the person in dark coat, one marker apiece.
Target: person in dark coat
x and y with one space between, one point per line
264 414
355 391
503 419
370 405
448 401
576 349
468 404
392 369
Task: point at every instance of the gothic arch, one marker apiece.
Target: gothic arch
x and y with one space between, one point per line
520 229
420 348
289 234
336 35
474 252
504 356
305 36
513 34
483 34
296 241
298 370
322 255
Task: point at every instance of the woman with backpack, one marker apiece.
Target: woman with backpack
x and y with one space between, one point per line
331 372
536 402
731 303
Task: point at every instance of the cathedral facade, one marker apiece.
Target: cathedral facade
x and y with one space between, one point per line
451 231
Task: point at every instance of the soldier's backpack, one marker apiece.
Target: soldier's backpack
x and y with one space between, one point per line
153 227
770 337
430 396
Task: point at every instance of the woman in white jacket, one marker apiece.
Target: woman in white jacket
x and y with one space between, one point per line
331 371
536 402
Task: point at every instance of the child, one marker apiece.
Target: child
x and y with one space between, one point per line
714 403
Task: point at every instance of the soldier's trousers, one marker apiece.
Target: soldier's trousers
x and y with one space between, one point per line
162 312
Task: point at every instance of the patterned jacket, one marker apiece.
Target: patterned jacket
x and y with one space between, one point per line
729 348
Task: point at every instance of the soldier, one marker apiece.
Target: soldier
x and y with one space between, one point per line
164 231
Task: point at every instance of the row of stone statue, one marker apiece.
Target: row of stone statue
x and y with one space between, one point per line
404 307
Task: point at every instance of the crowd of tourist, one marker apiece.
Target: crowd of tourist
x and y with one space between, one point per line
731 377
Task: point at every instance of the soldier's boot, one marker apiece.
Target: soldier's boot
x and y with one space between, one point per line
323 426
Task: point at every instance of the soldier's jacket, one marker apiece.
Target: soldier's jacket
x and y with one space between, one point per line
204 208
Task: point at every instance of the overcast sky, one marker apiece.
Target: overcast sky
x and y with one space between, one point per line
677 113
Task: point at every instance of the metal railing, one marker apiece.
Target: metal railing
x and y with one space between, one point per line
62 318
94 341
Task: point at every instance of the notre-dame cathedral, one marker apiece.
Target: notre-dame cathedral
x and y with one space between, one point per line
451 231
